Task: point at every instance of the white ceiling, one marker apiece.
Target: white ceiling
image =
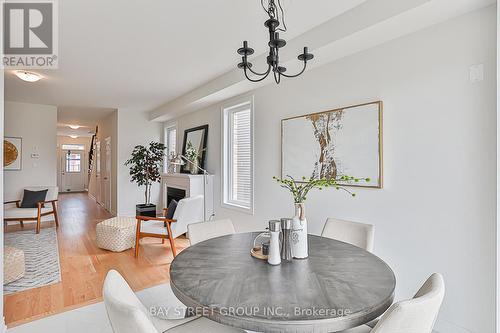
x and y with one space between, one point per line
86 118
82 132
366 25
140 54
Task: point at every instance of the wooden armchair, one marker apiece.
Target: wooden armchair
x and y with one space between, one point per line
156 227
189 210
14 212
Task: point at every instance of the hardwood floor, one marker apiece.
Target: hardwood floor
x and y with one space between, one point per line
84 265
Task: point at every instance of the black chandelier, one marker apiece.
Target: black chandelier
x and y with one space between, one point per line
275 14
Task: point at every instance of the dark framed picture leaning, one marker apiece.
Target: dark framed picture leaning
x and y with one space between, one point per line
194 147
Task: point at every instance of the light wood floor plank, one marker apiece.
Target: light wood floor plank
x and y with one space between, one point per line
84 265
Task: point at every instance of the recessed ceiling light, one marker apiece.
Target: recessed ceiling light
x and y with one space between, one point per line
73 136
28 76
74 126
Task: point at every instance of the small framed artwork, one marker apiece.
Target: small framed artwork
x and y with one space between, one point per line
12 153
345 141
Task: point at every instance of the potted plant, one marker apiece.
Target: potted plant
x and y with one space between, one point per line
145 165
299 191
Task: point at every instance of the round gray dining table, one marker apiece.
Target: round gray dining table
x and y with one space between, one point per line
339 286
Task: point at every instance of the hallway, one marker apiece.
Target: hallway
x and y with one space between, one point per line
84 265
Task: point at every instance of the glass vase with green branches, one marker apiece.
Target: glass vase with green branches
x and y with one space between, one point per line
299 191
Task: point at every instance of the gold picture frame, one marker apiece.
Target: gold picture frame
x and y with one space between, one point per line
301 141
12 153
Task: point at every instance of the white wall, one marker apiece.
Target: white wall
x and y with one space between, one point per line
107 127
134 128
3 328
498 186
437 209
37 125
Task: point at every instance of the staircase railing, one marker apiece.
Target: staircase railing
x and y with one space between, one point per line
91 153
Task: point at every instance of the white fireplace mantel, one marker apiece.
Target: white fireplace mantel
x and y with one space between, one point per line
192 185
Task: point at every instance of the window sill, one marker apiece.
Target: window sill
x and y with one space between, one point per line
238 208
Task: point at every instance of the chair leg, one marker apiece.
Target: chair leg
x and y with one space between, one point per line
22 224
163 240
56 217
172 245
171 240
38 223
137 246
137 238
39 218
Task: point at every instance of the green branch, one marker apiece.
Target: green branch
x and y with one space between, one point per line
299 190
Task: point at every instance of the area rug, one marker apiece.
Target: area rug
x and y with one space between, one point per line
41 255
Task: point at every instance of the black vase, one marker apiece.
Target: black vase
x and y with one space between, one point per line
145 210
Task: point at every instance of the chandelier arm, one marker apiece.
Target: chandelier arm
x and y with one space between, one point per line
292 76
260 74
258 80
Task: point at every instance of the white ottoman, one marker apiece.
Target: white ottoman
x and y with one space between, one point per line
13 264
116 234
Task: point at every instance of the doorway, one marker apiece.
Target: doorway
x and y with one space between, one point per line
72 168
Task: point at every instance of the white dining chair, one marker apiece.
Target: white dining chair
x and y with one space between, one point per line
355 233
417 315
198 232
127 314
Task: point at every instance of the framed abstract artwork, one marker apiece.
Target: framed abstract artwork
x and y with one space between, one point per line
344 141
12 153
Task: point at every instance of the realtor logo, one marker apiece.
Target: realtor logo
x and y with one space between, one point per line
30 34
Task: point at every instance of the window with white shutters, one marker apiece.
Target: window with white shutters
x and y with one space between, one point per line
238 156
170 144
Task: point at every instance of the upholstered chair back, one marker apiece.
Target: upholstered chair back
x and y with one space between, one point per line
125 311
198 232
416 315
189 210
355 233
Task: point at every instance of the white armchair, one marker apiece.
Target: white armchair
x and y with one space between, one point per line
188 211
14 212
